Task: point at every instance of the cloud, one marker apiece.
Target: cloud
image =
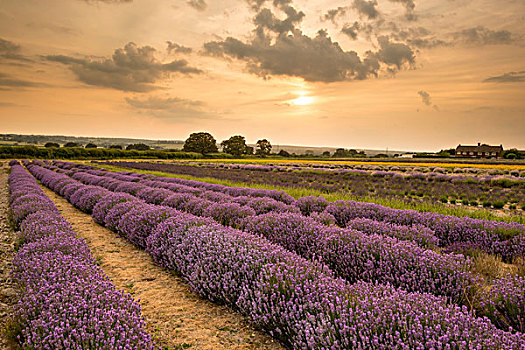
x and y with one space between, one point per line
366 8
170 107
313 59
425 97
483 36
132 68
332 14
11 51
7 82
351 30
265 19
176 48
510 77
199 5
278 48
419 37
53 27
7 46
409 6
363 7
9 104
255 5
108 1
397 54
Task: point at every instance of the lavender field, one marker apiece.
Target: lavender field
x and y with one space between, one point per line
262 175
466 187
311 273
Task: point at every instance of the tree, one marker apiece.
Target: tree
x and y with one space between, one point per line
381 155
283 153
138 147
264 147
91 145
235 145
512 153
52 144
200 142
443 154
341 153
115 147
71 144
326 154
352 153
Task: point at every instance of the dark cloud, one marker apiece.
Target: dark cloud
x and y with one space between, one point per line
265 19
132 68
332 14
171 108
427 43
351 30
162 103
199 5
409 6
11 51
255 4
419 37
397 54
278 48
313 59
483 36
176 48
425 97
7 46
510 77
366 8
7 82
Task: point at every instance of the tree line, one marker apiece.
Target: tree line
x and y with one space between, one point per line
197 145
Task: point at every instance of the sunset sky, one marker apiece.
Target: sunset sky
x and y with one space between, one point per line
402 74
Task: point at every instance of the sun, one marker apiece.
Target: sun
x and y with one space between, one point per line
303 100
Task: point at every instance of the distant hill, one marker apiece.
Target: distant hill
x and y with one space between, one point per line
41 140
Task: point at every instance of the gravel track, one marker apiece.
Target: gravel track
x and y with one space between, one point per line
8 296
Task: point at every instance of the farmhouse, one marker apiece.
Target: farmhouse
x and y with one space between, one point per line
479 151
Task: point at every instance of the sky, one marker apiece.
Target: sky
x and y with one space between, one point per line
367 74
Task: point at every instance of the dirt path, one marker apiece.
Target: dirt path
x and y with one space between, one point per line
177 317
7 251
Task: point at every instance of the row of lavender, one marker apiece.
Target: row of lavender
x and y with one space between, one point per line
261 201
298 301
458 234
352 255
65 299
420 186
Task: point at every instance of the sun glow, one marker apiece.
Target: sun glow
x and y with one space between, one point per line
303 100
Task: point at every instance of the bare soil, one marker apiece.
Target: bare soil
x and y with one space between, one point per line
176 316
